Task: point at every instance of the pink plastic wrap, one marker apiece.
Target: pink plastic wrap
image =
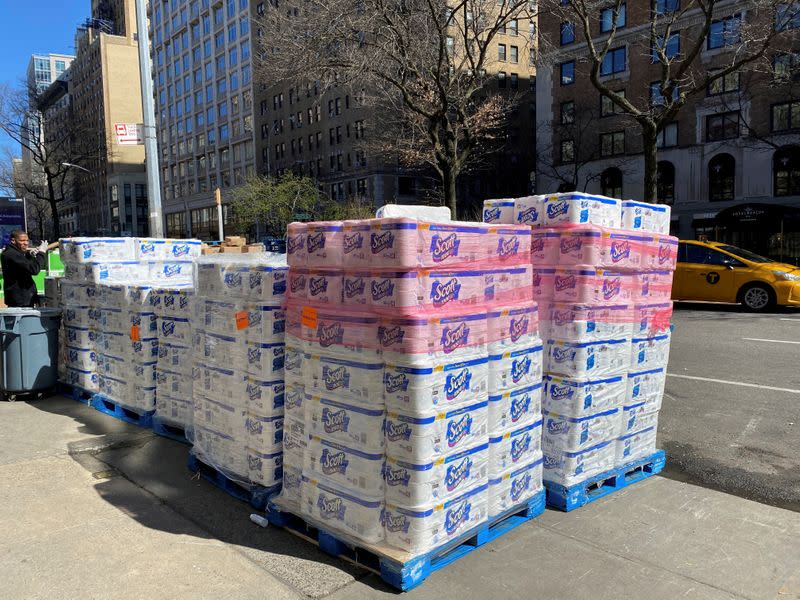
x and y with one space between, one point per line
324 244
602 247
593 286
435 336
545 247
402 244
413 292
542 283
666 257
510 244
356 288
297 284
652 318
513 325
654 286
324 287
296 253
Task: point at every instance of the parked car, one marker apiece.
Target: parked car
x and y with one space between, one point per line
715 272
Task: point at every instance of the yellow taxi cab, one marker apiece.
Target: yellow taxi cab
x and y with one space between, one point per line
715 272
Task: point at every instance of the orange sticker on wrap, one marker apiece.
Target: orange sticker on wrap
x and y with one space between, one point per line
135 336
242 320
308 317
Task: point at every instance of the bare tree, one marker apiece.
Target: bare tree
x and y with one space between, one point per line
52 154
421 63
737 34
573 149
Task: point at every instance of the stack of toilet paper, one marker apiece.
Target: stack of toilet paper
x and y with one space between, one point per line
78 335
129 260
388 372
603 277
110 329
236 354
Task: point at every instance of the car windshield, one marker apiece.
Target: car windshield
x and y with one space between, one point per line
745 254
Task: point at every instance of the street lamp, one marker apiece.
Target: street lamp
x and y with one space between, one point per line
68 165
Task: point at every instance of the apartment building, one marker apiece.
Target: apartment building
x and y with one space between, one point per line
42 71
326 135
202 75
729 164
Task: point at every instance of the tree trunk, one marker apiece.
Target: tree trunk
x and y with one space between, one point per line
650 152
53 208
449 189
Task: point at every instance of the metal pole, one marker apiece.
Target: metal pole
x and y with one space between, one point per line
218 198
25 213
148 112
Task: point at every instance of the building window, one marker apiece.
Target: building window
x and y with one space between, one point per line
513 27
665 182
514 81
657 98
567 33
567 151
786 171
787 16
786 67
514 54
723 85
614 61
668 137
607 106
607 18
501 52
723 126
611 182
567 113
671 48
786 116
501 80
612 144
176 225
568 73
721 176
667 6
724 32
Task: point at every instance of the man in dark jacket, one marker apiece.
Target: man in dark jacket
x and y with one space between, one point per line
20 264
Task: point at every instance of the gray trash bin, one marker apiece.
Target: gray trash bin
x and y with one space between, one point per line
28 350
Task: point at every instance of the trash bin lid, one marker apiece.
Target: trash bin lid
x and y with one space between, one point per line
30 312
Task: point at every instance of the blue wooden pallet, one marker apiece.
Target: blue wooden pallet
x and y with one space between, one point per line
170 430
255 495
397 568
75 393
142 418
569 498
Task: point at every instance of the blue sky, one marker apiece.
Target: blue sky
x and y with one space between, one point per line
35 26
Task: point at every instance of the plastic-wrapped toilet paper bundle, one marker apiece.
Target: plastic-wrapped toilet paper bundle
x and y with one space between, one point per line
498 211
239 359
642 216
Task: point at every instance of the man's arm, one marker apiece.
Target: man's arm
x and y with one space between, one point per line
26 262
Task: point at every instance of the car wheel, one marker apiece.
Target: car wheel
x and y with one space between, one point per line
757 297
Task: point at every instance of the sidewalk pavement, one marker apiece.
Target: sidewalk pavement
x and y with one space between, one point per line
95 508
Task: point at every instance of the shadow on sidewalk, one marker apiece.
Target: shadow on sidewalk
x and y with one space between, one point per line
132 463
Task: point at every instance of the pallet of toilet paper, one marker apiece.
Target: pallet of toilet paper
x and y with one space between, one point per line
603 276
409 345
111 335
129 260
236 357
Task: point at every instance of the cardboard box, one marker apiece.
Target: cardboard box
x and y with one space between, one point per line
224 249
205 249
235 240
253 248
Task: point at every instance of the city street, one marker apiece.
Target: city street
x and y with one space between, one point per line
731 413
96 508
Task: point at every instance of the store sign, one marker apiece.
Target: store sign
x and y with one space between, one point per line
129 134
747 214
